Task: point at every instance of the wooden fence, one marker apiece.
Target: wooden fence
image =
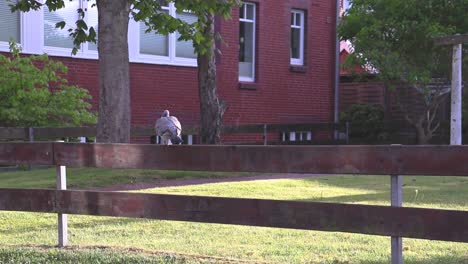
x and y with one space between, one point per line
394 221
44 133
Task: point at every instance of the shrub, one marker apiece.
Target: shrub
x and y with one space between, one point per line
33 92
365 120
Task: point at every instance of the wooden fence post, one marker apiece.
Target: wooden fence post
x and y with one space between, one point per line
347 132
62 219
31 140
31 134
456 98
396 201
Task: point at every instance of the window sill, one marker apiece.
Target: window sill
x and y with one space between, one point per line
298 68
248 86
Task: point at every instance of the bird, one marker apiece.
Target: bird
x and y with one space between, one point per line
169 129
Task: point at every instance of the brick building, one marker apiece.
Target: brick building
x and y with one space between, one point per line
277 63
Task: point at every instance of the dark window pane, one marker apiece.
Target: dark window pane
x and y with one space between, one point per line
295 43
246 49
250 12
298 19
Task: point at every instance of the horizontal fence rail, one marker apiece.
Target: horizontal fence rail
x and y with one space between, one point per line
422 223
10 133
375 160
394 160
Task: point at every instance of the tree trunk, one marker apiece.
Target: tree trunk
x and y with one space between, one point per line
422 138
114 80
211 107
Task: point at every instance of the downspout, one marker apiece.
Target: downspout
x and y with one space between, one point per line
336 118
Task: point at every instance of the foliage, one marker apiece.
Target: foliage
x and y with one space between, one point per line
33 92
164 23
395 37
148 12
365 120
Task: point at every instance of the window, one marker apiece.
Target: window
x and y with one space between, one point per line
296 136
167 49
247 42
152 43
58 41
297 37
36 32
185 48
56 37
9 24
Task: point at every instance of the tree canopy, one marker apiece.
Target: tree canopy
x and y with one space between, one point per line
395 37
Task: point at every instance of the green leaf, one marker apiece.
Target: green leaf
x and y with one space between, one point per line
81 24
60 24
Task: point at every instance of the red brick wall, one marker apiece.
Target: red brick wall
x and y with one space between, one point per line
280 95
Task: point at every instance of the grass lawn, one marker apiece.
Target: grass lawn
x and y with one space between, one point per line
31 236
97 177
103 255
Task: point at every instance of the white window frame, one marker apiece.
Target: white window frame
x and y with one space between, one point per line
83 51
300 60
253 21
171 59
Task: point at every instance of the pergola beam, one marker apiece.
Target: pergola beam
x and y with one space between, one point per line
451 40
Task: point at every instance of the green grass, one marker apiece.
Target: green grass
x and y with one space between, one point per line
97 177
103 256
20 230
